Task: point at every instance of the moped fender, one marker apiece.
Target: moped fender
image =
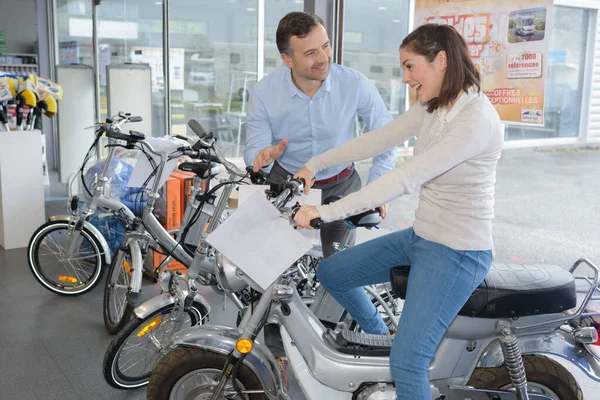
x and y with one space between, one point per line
221 340
560 344
164 299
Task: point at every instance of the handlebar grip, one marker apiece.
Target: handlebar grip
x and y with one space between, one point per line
316 223
135 119
120 136
196 127
209 157
181 137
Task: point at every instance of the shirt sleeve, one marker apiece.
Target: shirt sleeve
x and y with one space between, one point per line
374 113
467 136
258 130
373 143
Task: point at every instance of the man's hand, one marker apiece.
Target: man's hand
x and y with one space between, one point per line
267 155
383 210
306 214
308 176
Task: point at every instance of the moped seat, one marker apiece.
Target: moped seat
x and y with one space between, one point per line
512 290
201 169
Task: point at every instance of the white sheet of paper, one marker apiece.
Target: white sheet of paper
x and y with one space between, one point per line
312 198
259 241
143 168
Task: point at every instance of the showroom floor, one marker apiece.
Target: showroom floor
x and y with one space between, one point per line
51 347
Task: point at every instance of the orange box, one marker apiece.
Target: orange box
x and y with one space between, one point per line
172 193
187 182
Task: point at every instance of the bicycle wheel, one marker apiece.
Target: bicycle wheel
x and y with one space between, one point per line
134 352
117 310
58 273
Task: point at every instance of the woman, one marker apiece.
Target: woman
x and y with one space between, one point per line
449 248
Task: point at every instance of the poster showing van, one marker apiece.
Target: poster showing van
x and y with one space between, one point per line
507 41
527 25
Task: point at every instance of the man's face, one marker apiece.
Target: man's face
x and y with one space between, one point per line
310 56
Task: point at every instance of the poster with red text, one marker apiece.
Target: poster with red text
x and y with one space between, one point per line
508 41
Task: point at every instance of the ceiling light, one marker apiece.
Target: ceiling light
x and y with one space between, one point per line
158 3
250 9
396 21
298 1
382 8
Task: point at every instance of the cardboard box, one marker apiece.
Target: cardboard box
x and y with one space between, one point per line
186 183
172 195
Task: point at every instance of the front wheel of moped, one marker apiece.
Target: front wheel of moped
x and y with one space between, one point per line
187 372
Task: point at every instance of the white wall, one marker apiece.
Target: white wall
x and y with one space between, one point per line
18 21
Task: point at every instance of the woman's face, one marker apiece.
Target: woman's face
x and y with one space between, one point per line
423 76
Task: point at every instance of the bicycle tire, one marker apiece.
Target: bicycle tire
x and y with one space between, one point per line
116 309
87 276
115 373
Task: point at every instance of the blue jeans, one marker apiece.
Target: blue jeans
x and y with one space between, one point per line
440 282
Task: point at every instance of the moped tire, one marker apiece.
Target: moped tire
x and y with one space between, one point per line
181 363
543 375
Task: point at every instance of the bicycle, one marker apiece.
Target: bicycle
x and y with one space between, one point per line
72 242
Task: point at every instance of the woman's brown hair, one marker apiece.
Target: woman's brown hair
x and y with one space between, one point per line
461 74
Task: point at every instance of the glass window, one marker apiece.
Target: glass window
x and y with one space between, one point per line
372 35
219 66
564 82
274 11
74 33
128 31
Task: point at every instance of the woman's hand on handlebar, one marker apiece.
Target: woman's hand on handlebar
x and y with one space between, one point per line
382 210
306 214
308 176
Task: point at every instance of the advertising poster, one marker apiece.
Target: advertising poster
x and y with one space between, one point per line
508 41
68 52
154 57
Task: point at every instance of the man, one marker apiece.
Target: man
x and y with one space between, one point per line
307 107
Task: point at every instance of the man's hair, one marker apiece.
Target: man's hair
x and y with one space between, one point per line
295 24
461 74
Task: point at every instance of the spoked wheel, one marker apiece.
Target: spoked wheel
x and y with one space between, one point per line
117 310
544 376
191 373
55 269
134 352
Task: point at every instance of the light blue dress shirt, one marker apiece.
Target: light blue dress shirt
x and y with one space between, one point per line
277 109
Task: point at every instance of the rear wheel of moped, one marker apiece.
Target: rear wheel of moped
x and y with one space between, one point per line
544 376
187 372
134 352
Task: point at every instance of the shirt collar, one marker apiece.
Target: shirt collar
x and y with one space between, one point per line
446 116
294 91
